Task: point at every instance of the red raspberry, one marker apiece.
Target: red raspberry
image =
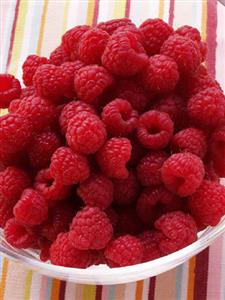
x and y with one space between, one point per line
132 92
49 82
189 32
182 173
161 74
138 151
153 201
90 229
31 209
9 89
210 172
70 39
112 215
17 159
27 91
12 183
217 150
191 140
70 110
40 112
203 50
6 213
119 117
68 167
208 203
155 129
124 55
59 219
184 51
45 251
113 156
62 253
52 190
18 236
125 191
179 230
86 133
91 45
124 251
96 191
150 240
155 31
112 25
41 149
128 221
207 108
133 30
59 56
91 81
148 169
30 66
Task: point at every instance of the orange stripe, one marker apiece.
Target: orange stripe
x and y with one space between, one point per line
4 277
42 27
90 12
55 289
191 278
204 20
161 9
139 290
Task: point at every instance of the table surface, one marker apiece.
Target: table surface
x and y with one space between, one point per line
35 26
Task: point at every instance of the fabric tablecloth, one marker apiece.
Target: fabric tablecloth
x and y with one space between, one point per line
35 26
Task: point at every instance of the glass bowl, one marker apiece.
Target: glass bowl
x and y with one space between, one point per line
192 12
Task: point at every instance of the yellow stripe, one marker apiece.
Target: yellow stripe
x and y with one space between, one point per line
42 27
18 39
161 9
90 12
89 292
3 112
139 290
28 285
191 278
119 9
3 279
204 19
55 289
65 16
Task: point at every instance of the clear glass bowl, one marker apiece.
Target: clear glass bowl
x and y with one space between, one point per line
186 12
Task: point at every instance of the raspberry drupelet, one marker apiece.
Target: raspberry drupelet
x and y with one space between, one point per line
59 56
150 240
112 25
10 89
217 150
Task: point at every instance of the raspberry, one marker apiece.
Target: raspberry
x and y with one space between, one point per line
59 219
179 230
138 151
52 190
27 91
191 140
91 81
155 129
119 117
189 32
217 150
124 55
208 203
68 167
153 201
86 133
155 31
30 66
62 253
148 169
125 191
17 159
207 108
90 229
97 191
161 74
184 51
112 215
132 92
112 25
91 45
12 183
59 56
49 82
36 109
203 50
70 110
113 156
124 251
128 221
210 172
182 173
150 240
17 235
70 39
31 209
45 251
41 149
9 89
6 213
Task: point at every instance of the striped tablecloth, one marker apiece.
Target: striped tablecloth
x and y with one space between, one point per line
35 26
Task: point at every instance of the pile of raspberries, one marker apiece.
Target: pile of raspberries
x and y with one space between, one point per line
113 151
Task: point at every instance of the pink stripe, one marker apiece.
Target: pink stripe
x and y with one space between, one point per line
127 9
171 12
43 288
